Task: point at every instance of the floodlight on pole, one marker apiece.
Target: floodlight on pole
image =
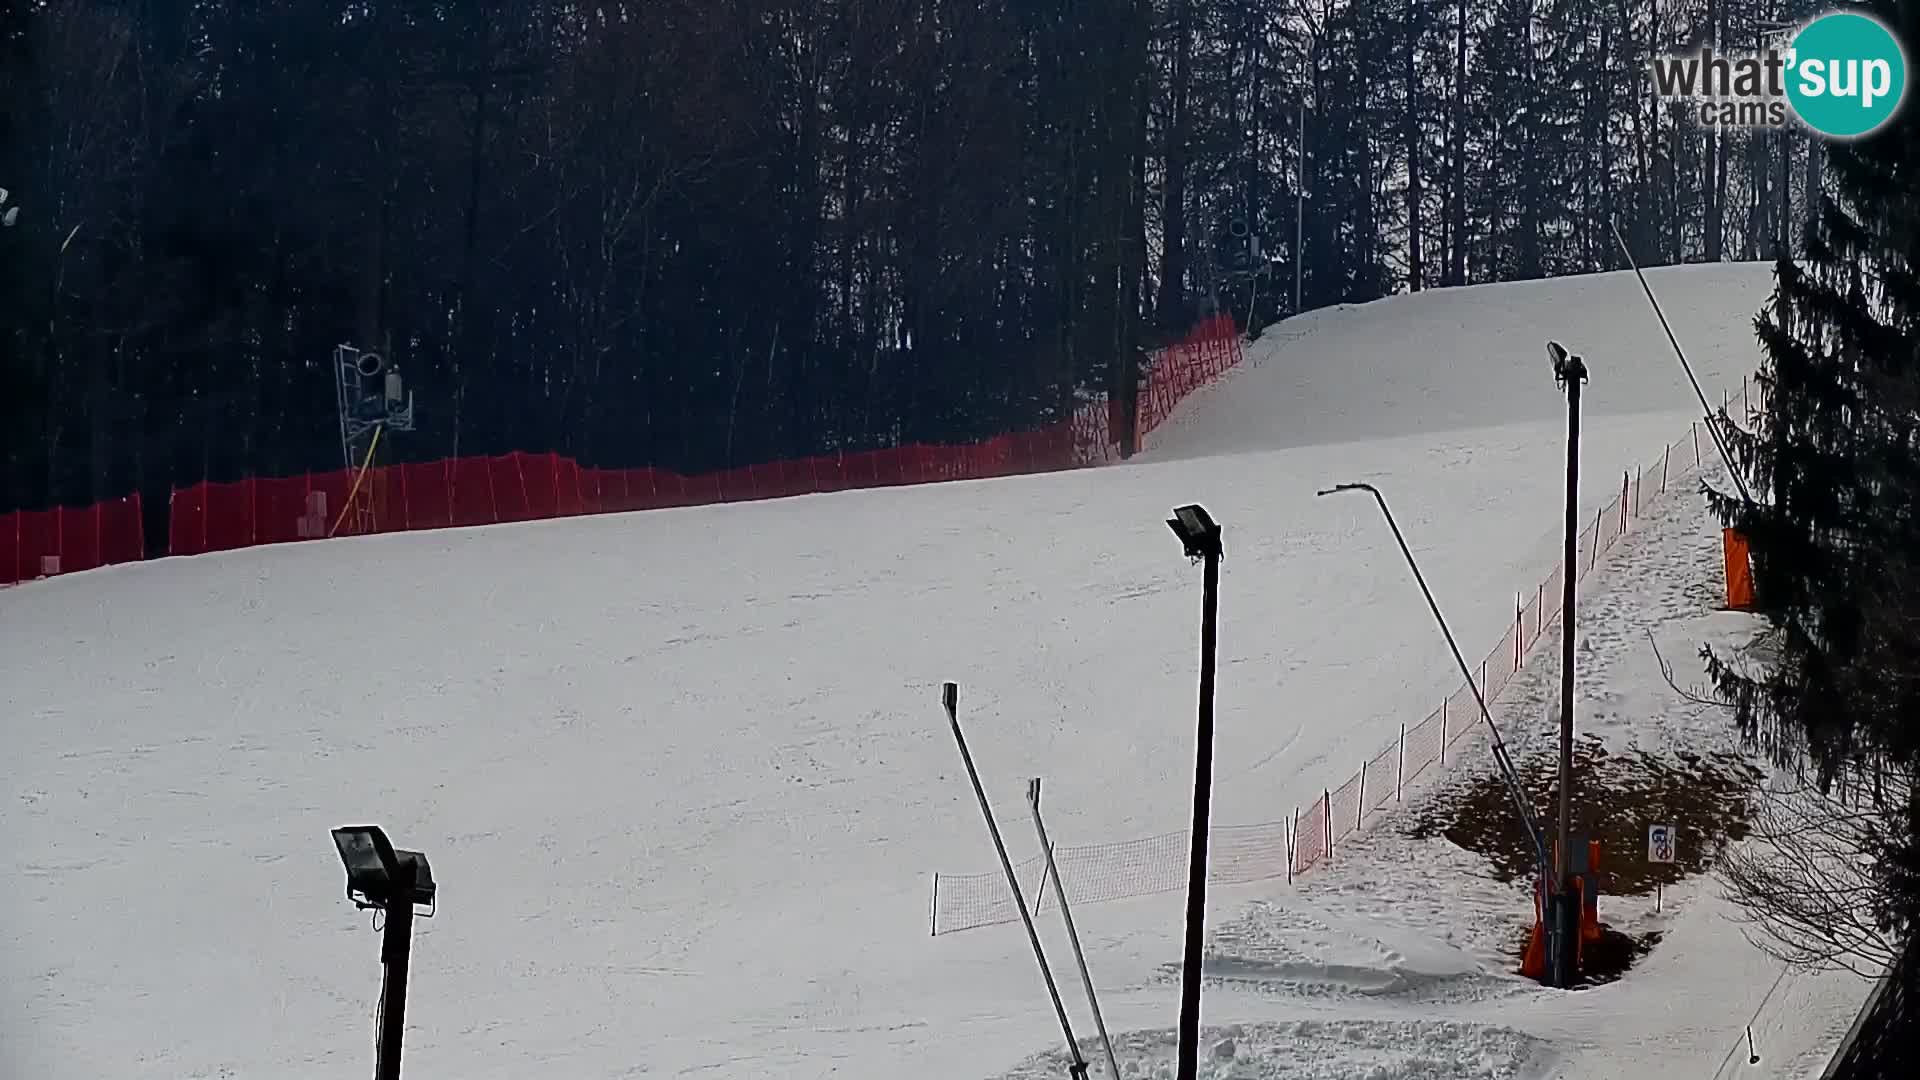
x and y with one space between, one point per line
1569 374
1200 538
394 881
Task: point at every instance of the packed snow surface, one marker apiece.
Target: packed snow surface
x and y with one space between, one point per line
683 775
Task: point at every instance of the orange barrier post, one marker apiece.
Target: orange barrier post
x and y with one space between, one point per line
1533 962
1739 571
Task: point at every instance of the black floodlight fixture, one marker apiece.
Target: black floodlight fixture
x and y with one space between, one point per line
377 871
1567 367
1196 530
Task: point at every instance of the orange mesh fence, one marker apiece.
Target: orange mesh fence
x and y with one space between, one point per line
1463 713
1312 841
1380 779
1343 809
1423 746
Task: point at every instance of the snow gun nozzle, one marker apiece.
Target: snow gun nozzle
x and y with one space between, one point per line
1337 488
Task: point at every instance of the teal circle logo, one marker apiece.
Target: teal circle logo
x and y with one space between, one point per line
1848 75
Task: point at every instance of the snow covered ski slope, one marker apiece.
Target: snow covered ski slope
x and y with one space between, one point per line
682 774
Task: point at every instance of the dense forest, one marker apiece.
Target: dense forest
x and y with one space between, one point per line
704 233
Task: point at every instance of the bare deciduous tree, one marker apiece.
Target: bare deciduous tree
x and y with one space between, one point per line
1808 876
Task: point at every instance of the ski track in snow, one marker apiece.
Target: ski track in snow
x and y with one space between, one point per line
682 774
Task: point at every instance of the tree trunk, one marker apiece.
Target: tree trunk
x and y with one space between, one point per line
1457 272
1609 257
1716 200
1173 220
1412 134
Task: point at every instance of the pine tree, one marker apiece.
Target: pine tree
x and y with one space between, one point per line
1833 465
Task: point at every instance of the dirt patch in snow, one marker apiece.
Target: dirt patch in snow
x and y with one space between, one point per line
1706 797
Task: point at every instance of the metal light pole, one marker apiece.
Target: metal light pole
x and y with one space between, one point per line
385 879
1201 538
1569 372
396 948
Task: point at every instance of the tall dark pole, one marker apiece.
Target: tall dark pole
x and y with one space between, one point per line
1202 539
1570 371
396 946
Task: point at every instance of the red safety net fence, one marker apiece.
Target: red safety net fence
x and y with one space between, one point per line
524 487
43 543
1211 350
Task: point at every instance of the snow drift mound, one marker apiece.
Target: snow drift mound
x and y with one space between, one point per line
1293 947
1433 361
1320 1050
